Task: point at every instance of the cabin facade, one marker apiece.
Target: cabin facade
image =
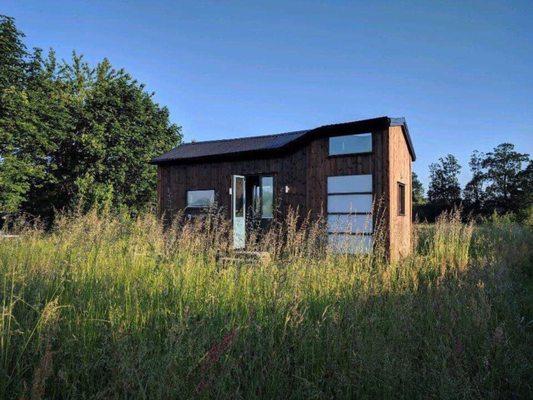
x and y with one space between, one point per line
344 172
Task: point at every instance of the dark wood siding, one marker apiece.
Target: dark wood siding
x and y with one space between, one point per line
320 165
287 171
305 171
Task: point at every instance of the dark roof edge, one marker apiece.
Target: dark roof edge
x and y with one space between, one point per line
244 137
361 125
401 122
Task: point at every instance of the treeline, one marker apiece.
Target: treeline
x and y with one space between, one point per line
502 183
74 134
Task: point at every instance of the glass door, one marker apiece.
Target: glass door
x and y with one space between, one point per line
239 211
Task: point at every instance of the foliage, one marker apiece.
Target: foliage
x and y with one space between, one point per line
444 189
70 133
500 182
116 307
418 190
474 194
507 184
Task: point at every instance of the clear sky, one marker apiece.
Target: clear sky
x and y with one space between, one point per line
461 72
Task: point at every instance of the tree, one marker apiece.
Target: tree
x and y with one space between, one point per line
507 181
418 190
12 54
15 168
71 133
474 194
444 190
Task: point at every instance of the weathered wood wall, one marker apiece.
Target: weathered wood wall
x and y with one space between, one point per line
287 171
305 172
400 226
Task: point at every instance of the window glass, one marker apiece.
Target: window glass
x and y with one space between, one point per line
256 201
200 198
354 244
350 203
401 198
350 144
350 183
239 197
267 190
350 223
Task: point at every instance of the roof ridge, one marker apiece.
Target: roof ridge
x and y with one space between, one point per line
245 137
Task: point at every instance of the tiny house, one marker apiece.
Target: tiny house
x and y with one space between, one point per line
340 172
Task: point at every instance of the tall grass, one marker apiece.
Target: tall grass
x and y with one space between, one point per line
112 307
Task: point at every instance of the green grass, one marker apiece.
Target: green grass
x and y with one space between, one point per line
110 307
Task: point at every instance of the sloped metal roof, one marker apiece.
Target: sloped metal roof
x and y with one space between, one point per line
272 143
229 146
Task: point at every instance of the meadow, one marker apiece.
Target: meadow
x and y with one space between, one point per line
106 306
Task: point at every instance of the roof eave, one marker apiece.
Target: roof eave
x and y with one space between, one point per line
401 122
362 125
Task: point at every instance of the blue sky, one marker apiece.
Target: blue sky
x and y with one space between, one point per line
460 73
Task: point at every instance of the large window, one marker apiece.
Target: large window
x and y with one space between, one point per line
349 209
350 144
200 198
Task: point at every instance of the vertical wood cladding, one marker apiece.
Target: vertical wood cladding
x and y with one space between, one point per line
400 226
305 172
287 171
320 165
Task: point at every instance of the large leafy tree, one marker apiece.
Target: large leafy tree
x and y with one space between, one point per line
507 180
444 190
22 138
501 181
71 133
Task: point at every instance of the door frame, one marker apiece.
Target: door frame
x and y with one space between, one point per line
239 223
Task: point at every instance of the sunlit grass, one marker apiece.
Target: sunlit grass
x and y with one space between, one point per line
109 307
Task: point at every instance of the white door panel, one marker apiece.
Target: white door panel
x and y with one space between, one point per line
239 211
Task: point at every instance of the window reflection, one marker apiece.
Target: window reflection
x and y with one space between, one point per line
350 144
267 191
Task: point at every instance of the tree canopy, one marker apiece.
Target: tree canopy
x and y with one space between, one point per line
501 181
444 188
72 133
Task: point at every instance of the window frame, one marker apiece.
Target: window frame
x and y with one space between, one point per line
352 153
201 206
262 196
274 177
401 198
367 214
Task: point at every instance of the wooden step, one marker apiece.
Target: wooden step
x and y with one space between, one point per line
262 256
2 236
246 257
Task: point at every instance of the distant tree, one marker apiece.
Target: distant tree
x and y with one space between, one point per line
525 198
444 191
71 133
418 190
508 183
474 194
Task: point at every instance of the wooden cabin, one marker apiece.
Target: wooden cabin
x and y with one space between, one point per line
343 172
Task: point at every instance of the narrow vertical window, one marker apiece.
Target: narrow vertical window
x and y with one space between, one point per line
401 198
267 194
